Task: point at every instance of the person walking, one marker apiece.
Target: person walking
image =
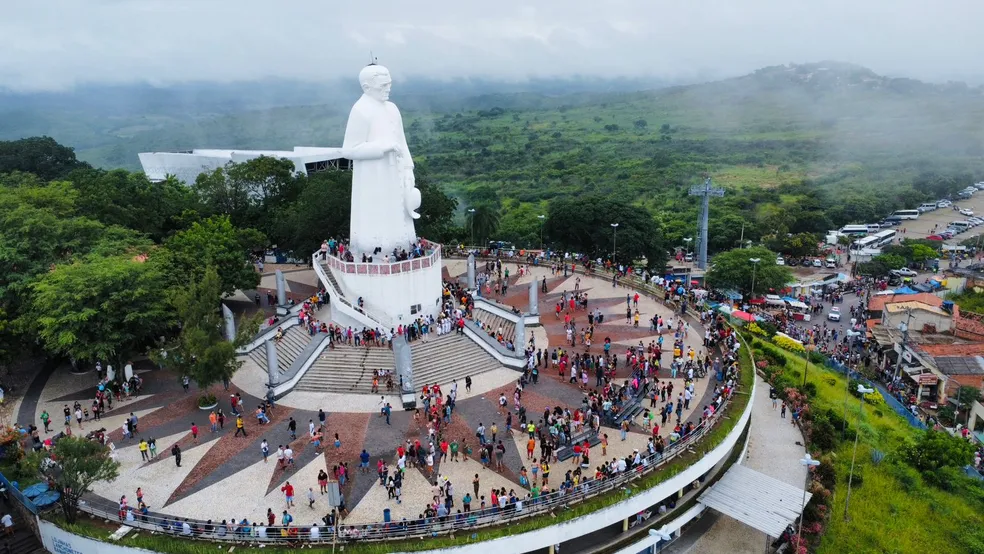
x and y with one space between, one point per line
288 491
176 452
265 450
46 419
240 426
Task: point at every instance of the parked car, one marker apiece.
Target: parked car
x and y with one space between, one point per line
936 237
966 211
830 263
834 314
905 272
780 261
689 257
943 204
817 262
975 220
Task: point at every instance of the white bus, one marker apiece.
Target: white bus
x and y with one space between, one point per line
906 214
854 230
876 240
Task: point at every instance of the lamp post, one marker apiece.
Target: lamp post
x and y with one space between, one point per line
542 218
755 264
862 391
662 535
687 249
472 218
614 234
807 462
809 350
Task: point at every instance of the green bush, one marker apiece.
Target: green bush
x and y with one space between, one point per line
934 450
946 415
908 478
768 327
946 478
810 389
823 435
817 358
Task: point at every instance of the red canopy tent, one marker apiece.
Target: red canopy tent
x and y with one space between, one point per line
744 316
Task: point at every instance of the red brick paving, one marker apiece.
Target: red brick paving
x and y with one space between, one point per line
351 429
227 447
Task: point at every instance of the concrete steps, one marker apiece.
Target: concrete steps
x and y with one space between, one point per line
496 322
348 369
295 339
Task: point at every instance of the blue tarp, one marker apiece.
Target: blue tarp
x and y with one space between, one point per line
904 290
35 490
732 295
47 499
790 299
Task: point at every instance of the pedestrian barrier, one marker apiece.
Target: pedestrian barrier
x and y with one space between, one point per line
557 500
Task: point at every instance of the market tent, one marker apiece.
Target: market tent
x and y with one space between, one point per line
724 308
790 299
732 295
798 305
744 316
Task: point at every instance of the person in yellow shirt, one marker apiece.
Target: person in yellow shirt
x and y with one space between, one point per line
144 447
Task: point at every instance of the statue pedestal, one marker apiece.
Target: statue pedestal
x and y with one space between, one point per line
394 293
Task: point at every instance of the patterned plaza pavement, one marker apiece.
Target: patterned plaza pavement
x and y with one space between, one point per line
223 476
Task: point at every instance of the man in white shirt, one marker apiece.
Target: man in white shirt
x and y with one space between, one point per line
8 524
315 532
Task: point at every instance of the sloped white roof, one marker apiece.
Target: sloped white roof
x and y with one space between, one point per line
755 499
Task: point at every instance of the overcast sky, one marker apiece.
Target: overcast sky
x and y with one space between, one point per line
57 43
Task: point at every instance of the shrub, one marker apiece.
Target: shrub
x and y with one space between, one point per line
909 479
934 450
823 435
788 344
768 327
755 329
946 415
825 473
817 358
810 389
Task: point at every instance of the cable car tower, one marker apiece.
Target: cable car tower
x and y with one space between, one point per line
705 191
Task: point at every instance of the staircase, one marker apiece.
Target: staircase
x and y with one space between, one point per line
348 369
23 541
496 322
295 339
331 277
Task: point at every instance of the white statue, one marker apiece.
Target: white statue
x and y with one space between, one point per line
384 198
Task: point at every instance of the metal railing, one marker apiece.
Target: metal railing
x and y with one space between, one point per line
373 320
475 519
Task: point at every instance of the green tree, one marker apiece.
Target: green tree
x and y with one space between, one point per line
322 210
934 450
119 197
584 225
214 242
100 307
41 156
250 192
965 397
483 222
436 210
734 270
200 350
80 463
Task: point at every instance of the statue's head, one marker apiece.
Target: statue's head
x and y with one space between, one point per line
376 82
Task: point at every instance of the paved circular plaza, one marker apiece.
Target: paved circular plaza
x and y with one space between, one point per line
224 476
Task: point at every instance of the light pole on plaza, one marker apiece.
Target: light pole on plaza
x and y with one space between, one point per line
862 391
472 217
614 235
542 218
807 462
755 264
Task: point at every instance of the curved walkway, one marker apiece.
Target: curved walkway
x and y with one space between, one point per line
775 447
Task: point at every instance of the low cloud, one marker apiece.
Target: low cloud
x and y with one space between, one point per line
55 45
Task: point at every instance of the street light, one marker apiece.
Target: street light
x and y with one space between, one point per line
862 391
687 240
662 535
807 462
809 349
614 234
755 264
472 212
542 218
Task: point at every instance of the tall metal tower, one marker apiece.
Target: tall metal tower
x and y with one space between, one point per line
705 191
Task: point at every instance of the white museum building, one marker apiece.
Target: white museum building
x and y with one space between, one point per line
187 165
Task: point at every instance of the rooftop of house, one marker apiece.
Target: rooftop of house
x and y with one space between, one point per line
901 307
878 303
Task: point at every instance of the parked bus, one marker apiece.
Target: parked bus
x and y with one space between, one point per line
876 240
855 230
906 214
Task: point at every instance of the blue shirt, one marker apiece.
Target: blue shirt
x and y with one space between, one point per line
364 457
